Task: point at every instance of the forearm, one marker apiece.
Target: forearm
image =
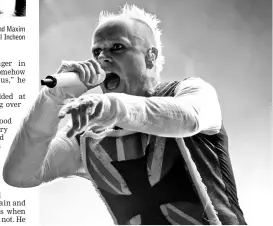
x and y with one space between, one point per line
163 116
31 142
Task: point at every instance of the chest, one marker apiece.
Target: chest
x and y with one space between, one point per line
158 155
148 173
125 148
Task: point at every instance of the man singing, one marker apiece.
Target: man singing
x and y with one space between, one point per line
156 152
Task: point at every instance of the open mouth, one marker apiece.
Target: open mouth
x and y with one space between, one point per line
111 81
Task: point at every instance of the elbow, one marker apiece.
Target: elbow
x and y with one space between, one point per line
10 178
190 123
195 127
191 128
16 179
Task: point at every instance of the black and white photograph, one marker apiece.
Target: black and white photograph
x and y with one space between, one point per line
12 8
149 113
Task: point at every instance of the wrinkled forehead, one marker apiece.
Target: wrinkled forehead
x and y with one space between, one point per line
116 29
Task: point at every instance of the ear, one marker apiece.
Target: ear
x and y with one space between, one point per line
150 58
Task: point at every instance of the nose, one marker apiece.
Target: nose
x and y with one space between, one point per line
104 57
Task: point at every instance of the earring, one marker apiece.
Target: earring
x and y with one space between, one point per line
150 59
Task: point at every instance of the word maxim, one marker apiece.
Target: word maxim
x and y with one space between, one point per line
12 29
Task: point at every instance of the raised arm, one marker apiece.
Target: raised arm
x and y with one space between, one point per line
194 108
37 154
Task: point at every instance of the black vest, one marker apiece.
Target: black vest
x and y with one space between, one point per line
209 153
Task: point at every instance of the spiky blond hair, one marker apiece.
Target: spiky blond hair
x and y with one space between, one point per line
133 12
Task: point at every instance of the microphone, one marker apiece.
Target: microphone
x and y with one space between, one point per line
64 79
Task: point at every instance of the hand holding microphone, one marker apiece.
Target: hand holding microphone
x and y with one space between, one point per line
76 73
72 79
88 111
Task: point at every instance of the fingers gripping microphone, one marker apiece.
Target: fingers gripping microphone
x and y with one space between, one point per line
65 79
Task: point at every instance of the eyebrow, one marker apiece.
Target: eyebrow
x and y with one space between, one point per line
110 41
